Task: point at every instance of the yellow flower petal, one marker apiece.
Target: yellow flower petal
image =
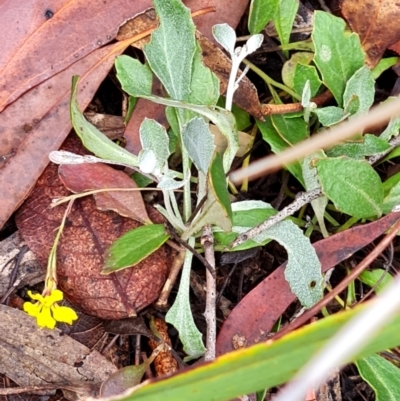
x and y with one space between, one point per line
36 297
64 314
32 309
44 318
55 296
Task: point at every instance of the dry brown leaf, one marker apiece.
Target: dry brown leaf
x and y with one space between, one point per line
43 40
87 235
84 177
376 21
38 123
32 356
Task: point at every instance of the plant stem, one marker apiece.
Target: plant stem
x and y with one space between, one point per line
207 240
300 200
271 81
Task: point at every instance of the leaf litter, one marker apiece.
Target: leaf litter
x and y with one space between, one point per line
86 209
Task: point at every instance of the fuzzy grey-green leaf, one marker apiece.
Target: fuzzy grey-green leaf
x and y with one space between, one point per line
180 314
154 137
172 47
199 142
136 78
303 270
362 85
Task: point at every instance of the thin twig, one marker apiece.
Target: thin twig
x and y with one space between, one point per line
301 199
207 240
176 267
394 142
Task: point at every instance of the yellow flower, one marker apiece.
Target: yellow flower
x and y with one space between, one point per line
47 311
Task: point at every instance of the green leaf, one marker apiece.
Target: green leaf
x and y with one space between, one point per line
284 19
180 314
154 137
125 378
352 185
251 213
372 277
172 48
383 65
246 214
311 182
392 199
136 78
134 246
362 85
92 138
204 84
243 371
304 73
338 54
271 136
199 142
368 146
289 67
330 115
390 183
218 184
382 376
393 127
292 130
261 12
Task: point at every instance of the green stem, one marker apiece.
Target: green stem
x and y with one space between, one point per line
270 81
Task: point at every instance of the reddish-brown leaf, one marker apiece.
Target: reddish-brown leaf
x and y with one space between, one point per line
60 36
84 177
38 123
252 319
376 21
87 235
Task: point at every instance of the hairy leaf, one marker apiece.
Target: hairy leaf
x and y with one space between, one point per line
136 78
352 185
180 314
362 85
338 54
172 47
369 146
199 142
